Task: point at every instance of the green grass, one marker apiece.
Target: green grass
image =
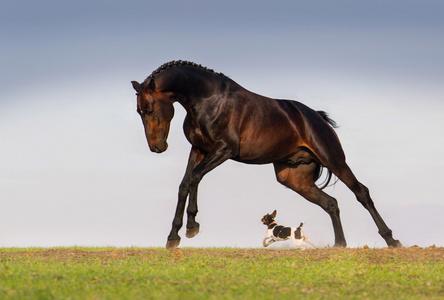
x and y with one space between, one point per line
134 273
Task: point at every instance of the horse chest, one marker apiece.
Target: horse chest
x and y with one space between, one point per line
196 136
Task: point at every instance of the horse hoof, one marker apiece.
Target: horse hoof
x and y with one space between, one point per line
172 244
395 244
341 245
192 232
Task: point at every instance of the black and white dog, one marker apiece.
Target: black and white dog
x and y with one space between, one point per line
277 232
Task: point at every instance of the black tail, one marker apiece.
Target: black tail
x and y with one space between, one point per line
320 168
318 174
327 118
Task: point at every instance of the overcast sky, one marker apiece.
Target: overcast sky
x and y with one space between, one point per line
75 168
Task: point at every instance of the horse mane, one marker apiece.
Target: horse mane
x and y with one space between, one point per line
327 118
178 63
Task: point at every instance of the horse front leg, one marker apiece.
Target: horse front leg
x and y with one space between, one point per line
209 162
192 225
194 159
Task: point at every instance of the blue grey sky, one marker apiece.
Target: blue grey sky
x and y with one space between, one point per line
74 165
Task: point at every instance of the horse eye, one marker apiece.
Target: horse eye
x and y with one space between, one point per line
144 112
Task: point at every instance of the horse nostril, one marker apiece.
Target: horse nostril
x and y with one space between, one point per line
154 148
158 148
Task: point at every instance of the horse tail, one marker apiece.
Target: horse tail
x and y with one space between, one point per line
318 173
327 118
320 168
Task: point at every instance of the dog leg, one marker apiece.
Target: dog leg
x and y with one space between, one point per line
268 241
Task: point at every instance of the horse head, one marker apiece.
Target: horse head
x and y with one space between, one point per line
156 111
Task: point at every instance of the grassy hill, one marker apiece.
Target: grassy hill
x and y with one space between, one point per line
136 273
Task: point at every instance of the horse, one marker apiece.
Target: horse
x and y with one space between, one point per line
226 121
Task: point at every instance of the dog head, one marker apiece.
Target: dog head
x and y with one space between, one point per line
269 218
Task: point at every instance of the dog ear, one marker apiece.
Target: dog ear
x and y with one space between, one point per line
273 214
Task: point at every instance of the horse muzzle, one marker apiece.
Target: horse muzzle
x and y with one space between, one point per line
159 148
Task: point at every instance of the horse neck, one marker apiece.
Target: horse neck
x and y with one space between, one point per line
189 103
190 88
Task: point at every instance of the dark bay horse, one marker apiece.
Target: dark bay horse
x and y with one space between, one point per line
226 121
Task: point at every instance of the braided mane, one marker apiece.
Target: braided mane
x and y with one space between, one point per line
175 63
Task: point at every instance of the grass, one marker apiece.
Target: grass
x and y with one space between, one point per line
133 273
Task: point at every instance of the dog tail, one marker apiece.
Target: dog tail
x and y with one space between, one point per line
298 232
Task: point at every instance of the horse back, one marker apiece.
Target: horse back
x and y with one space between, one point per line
276 129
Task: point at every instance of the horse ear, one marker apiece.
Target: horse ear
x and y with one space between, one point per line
136 86
151 85
273 214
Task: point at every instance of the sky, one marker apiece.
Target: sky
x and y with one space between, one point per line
75 168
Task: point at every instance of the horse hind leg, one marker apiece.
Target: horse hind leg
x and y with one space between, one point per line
301 180
330 154
363 196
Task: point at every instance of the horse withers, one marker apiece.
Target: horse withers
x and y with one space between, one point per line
226 121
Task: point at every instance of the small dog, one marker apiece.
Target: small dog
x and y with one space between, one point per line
277 232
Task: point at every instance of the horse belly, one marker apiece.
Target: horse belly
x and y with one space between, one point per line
266 147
